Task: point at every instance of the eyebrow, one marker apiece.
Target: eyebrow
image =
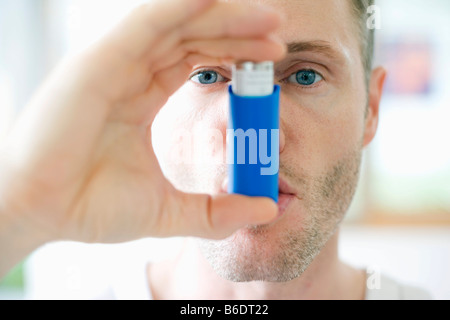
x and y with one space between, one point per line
322 47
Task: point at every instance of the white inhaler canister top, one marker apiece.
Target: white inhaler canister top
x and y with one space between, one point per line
252 79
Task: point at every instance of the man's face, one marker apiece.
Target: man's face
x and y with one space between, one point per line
322 108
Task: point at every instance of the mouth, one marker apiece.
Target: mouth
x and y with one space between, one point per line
286 195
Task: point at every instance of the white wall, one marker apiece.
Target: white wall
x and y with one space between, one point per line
414 255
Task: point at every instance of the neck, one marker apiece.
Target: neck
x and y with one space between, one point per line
190 276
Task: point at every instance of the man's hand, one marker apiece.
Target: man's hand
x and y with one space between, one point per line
79 164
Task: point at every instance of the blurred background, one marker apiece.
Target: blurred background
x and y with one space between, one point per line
399 223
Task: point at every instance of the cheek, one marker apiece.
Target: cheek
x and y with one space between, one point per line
321 131
342 133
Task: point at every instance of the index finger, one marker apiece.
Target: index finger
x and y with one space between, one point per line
139 32
235 20
140 29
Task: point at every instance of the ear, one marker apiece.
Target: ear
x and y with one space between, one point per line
375 92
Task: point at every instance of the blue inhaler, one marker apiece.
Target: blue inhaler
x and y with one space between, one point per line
253 135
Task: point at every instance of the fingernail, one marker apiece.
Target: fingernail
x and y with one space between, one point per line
281 42
267 10
227 61
276 39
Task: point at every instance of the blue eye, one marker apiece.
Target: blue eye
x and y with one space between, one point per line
305 77
207 77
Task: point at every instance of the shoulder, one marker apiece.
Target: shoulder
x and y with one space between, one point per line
387 288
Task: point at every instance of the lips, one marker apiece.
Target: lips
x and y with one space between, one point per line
285 188
284 200
286 194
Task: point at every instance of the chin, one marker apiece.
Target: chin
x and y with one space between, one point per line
277 252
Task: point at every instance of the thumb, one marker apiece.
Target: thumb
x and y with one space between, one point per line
216 217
